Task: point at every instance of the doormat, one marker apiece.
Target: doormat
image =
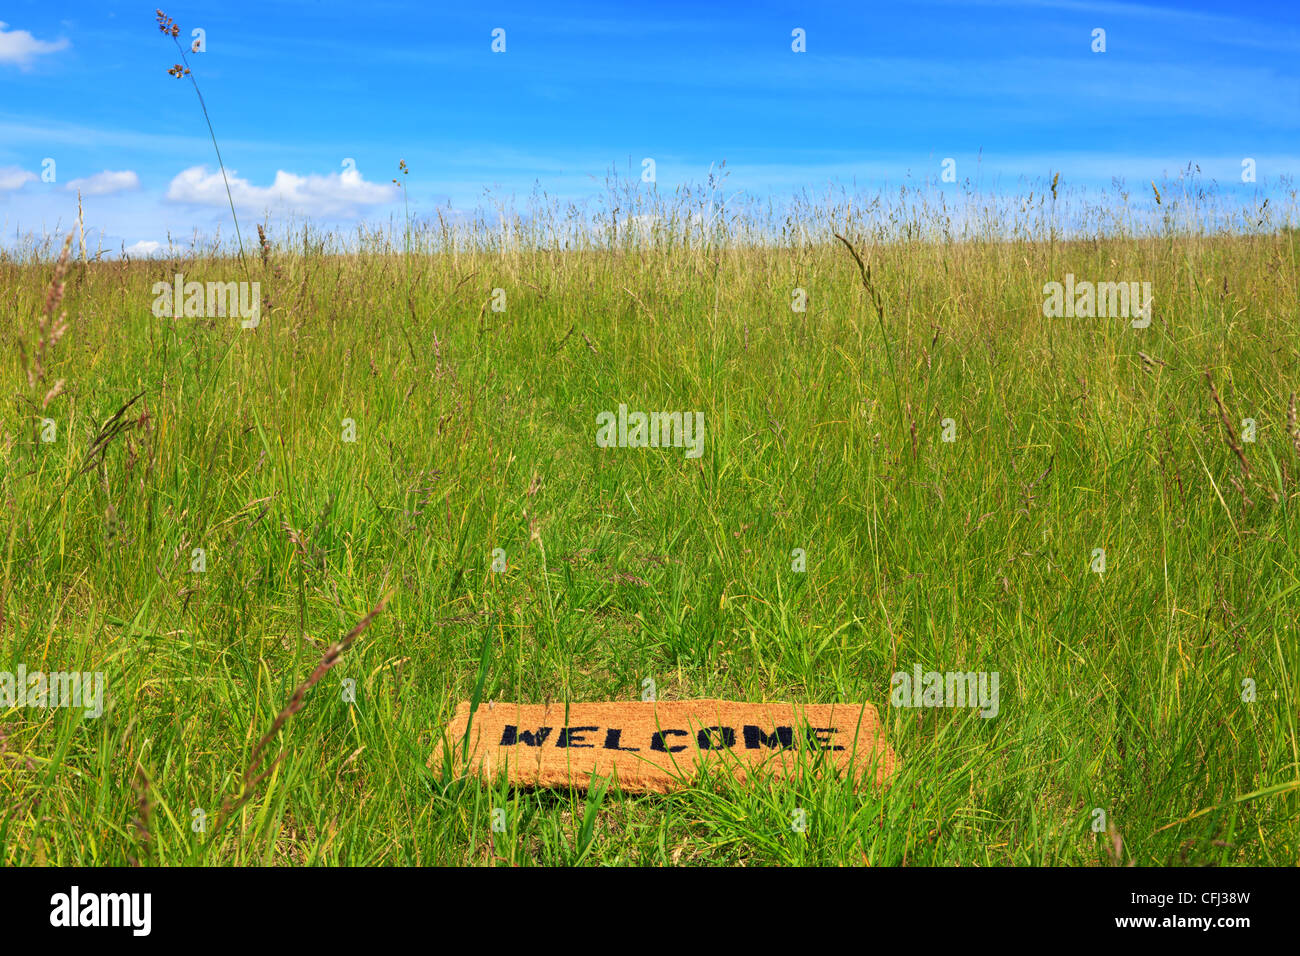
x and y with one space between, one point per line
657 746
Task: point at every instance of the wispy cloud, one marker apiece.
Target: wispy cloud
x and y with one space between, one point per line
338 194
143 248
105 183
44 132
12 178
1233 30
21 48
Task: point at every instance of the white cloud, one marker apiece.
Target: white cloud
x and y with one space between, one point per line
145 247
20 47
11 178
338 194
105 183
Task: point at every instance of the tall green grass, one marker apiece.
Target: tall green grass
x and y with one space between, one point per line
1120 692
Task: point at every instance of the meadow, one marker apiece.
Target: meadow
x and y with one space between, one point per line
199 528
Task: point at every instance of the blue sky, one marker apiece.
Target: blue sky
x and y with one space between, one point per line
1011 90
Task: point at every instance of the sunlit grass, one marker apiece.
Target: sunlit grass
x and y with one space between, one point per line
475 430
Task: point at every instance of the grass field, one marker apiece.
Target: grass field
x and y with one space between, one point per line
1127 691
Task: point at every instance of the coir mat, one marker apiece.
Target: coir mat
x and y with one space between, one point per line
657 746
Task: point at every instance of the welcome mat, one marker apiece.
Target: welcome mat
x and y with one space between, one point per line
657 746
